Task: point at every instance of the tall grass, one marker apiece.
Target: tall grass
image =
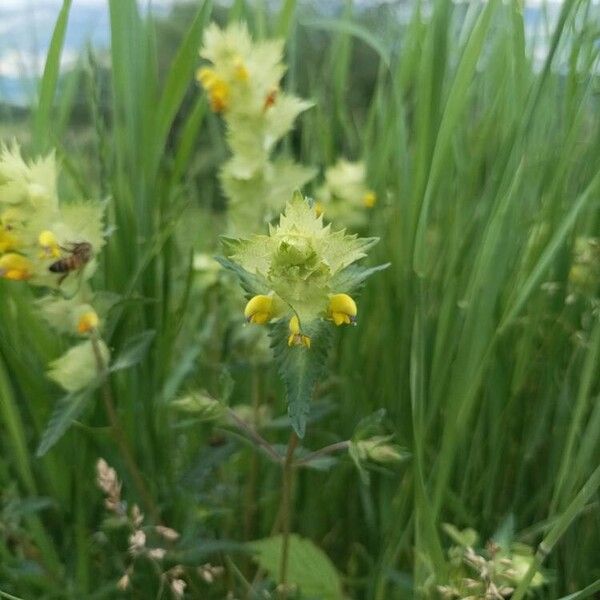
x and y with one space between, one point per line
487 165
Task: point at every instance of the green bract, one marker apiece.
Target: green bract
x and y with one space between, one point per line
301 261
77 368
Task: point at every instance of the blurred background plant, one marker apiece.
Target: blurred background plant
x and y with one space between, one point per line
477 124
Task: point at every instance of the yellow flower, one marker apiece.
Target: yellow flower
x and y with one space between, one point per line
88 322
219 96
15 267
297 338
49 244
369 199
8 241
216 87
342 309
207 77
240 70
259 309
319 209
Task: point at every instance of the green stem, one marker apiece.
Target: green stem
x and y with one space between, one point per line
331 449
250 496
286 512
120 437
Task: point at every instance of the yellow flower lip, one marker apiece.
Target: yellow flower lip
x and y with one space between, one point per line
342 309
49 244
207 77
8 241
259 309
297 338
88 322
216 87
370 199
14 267
219 97
240 70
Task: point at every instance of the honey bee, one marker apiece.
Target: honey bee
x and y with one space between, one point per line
80 254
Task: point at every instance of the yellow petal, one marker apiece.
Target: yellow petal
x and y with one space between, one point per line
342 309
15 267
370 199
88 322
297 338
259 309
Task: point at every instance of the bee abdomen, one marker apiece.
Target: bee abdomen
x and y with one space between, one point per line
62 266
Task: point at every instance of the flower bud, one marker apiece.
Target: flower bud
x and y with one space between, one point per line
380 449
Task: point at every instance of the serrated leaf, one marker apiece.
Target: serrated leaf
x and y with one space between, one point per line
368 424
67 409
134 351
252 284
83 221
309 567
300 367
353 277
226 385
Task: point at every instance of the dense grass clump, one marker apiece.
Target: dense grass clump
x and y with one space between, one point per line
466 397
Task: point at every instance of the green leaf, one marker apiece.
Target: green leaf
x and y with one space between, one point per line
300 367
352 278
134 351
585 593
226 385
179 77
48 83
252 284
309 567
464 538
67 409
358 31
199 404
368 425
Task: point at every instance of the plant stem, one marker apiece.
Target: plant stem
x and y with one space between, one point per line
256 438
120 436
250 496
337 447
286 512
